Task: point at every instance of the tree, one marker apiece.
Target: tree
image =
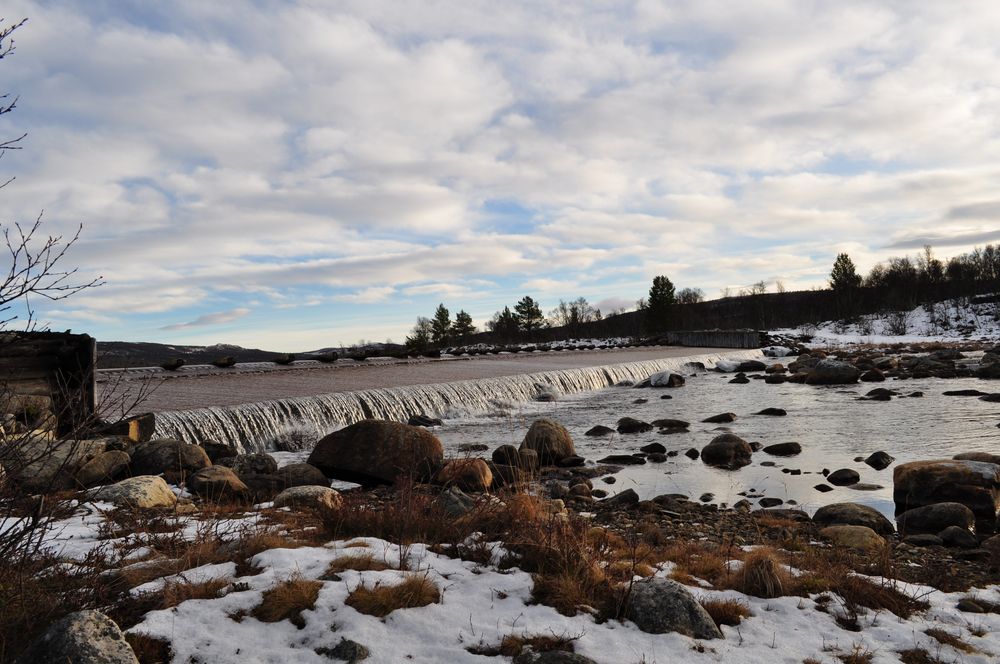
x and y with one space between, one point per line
419 340
462 327
504 324
690 296
661 300
529 315
441 326
572 314
844 275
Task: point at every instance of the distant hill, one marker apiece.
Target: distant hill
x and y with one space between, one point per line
118 354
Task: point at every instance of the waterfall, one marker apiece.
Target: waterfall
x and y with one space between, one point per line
255 427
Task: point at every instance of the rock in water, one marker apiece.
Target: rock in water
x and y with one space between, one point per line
599 430
880 460
632 425
774 412
658 606
302 474
783 449
251 464
666 379
721 418
373 452
843 477
550 440
832 372
84 637
727 451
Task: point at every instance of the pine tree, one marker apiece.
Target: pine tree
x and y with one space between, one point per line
529 315
504 324
441 326
844 276
462 327
661 299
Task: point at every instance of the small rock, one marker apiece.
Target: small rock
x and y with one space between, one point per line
783 449
774 412
880 460
958 536
843 477
721 418
599 430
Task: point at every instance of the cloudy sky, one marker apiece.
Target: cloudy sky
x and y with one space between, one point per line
292 175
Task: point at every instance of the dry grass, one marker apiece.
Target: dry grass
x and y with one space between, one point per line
694 560
727 611
952 640
859 654
513 645
175 592
918 656
380 600
287 601
149 649
762 575
365 562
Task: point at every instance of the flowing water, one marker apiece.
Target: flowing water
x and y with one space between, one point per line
833 425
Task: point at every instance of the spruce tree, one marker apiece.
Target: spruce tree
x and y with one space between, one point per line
529 315
661 299
462 327
844 276
441 326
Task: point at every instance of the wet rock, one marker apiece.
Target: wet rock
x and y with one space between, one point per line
621 499
666 379
670 424
991 398
168 456
666 396
632 425
84 637
706 497
653 448
880 394
854 514
963 393
865 486
573 461
263 487
143 492
216 451
756 446
692 453
104 468
550 440
727 451
872 376
599 430
469 475
217 483
935 518
373 452
314 497
985 457
770 502
623 460
775 379
469 448
832 372
853 537
422 420
302 474
823 488
843 477
740 379
640 401
658 606
751 365
774 412
656 457
609 480
880 460
721 418
958 536
975 484
509 476
673 431
783 449
798 516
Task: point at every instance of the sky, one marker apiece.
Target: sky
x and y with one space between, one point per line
296 175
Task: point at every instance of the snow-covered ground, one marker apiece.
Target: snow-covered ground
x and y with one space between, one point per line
949 321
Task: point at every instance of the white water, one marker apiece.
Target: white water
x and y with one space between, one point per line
257 426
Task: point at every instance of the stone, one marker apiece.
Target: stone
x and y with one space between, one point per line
667 423
880 460
880 394
770 502
346 651
552 657
217 451
40 465
141 492
775 379
985 457
721 418
422 420
621 499
751 365
168 456
507 475
853 537
659 606
854 514
372 452
251 464
958 536
104 468
263 487
975 484
963 393
832 372
550 440
573 461
623 460
302 474
934 518
773 412
872 376
311 496
739 380
692 453
843 477
666 379
470 475
599 430
727 451
632 425
83 637
783 449
653 448
823 488
217 483
922 540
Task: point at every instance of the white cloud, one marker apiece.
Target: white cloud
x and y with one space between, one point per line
217 318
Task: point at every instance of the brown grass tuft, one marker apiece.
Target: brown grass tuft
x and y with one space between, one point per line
727 611
175 592
513 645
287 601
695 560
381 600
762 575
918 656
365 562
952 640
859 654
149 649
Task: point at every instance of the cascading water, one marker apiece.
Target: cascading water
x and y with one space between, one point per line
255 427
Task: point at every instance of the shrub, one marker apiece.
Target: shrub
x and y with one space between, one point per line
380 600
364 562
149 649
762 575
726 611
287 601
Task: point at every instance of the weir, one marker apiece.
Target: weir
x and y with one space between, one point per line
264 425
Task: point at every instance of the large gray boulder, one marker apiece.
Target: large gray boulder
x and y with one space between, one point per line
169 456
217 483
312 496
932 519
142 492
550 440
251 464
853 514
105 467
727 451
659 606
975 484
84 637
372 452
39 464
832 372
302 474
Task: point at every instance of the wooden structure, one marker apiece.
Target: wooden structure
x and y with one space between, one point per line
713 338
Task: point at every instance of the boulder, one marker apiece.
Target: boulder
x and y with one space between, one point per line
872 376
550 440
832 372
422 420
783 449
854 514
251 464
666 379
975 484
372 452
168 456
773 412
751 365
985 457
727 451
599 430
880 460
843 477
314 497
471 475
84 637
632 425
624 498
658 606
216 451
740 380
39 464
623 460
263 486
217 483
958 536
302 474
653 448
721 418
508 476
933 519
142 492
668 423
853 537
104 468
